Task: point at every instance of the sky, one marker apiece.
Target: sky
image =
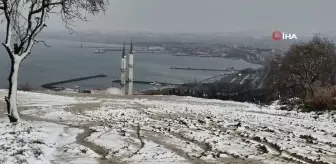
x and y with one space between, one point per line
212 16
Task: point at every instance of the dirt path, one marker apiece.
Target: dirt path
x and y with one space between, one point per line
80 138
151 136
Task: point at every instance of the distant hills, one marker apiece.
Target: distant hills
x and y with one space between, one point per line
246 38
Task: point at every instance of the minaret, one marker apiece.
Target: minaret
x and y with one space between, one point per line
123 70
130 71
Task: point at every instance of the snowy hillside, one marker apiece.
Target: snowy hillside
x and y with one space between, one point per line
162 129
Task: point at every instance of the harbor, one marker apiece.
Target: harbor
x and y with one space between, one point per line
83 62
103 50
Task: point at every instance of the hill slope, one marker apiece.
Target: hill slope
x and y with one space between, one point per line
164 129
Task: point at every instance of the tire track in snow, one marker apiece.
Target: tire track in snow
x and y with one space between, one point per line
178 151
142 143
270 146
275 147
206 147
285 154
80 138
281 154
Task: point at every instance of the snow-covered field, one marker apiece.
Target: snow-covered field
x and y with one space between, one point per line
163 129
39 142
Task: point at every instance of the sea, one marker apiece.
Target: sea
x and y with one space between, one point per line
66 60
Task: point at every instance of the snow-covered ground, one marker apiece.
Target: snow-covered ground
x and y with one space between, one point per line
164 129
39 142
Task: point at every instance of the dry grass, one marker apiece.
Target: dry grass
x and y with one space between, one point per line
323 99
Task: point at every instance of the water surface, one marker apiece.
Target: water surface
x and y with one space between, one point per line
66 60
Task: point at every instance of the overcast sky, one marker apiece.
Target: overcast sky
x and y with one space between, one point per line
293 16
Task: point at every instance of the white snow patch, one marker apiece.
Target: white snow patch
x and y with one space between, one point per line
116 141
35 142
113 91
155 153
49 106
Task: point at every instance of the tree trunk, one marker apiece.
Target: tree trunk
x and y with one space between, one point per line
13 114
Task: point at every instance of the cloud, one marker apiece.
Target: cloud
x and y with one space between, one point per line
266 16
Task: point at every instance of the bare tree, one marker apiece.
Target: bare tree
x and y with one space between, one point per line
24 20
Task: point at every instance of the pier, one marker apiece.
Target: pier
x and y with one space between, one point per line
113 49
202 69
101 47
148 82
103 50
52 85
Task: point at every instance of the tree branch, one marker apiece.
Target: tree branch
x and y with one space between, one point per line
46 5
41 41
8 24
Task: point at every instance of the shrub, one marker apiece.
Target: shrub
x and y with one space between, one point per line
290 103
324 99
26 87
